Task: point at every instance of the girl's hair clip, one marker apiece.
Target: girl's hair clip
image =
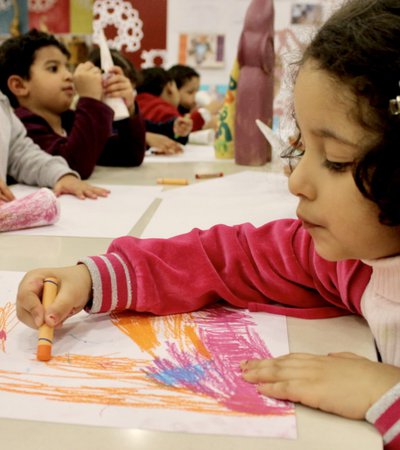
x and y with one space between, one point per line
394 106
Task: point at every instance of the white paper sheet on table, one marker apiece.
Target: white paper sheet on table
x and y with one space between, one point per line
249 196
191 153
105 217
171 373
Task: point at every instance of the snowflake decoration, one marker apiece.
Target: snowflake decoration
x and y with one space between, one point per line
149 56
5 4
40 6
124 18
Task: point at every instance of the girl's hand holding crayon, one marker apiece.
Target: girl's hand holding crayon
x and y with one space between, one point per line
70 184
75 290
341 383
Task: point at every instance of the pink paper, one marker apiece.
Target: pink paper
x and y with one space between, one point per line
34 210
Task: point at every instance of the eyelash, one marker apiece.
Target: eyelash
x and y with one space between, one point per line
339 167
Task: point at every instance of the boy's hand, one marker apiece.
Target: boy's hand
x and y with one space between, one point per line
88 81
117 85
341 383
74 291
163 145
5 193
70 184
183 126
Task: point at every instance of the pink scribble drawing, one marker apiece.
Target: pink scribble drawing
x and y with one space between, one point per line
204 356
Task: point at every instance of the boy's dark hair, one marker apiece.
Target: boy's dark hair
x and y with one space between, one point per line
119 60
153 81
359 47
17 55
182 74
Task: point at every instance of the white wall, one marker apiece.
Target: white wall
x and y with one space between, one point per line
206 16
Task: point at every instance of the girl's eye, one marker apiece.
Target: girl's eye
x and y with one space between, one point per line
337 166
52 68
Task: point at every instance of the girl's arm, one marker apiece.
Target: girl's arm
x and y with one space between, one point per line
272 268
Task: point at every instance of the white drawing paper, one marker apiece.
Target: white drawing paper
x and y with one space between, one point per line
172 373
248 196
112 216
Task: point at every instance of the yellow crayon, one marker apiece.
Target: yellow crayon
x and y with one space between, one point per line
203 176
176 181
45 339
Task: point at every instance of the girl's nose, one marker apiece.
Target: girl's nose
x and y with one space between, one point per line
301 181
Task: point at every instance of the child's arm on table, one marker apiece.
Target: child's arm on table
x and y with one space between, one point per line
163 144
70 184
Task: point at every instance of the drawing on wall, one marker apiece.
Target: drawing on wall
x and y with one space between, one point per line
176 373
202 50
306 14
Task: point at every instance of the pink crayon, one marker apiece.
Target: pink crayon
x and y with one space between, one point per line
34 210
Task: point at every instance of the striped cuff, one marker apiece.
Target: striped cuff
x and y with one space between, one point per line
385 416
111 281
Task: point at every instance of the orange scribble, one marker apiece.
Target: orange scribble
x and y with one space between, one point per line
135 388
8 321
144 329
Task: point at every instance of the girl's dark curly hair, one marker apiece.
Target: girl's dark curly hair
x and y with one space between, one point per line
359 46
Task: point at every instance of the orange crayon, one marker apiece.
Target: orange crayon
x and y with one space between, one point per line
176 181
45 339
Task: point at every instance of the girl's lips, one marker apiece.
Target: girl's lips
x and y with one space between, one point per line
308 225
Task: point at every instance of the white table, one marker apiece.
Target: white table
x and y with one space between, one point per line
316 430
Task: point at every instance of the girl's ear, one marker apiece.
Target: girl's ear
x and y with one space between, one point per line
18 86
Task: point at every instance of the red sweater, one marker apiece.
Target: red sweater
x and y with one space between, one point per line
92 136
156 109
273 268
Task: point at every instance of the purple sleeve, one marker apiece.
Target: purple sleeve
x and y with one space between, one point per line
88 131
127 145
273 268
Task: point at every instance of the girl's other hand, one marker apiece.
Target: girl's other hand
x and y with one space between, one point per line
340 383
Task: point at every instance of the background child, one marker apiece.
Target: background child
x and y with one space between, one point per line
35 76
188 83
25 162
164 144
158 100
341 256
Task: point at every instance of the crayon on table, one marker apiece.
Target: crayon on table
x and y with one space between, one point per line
176 181
45 339
203 176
